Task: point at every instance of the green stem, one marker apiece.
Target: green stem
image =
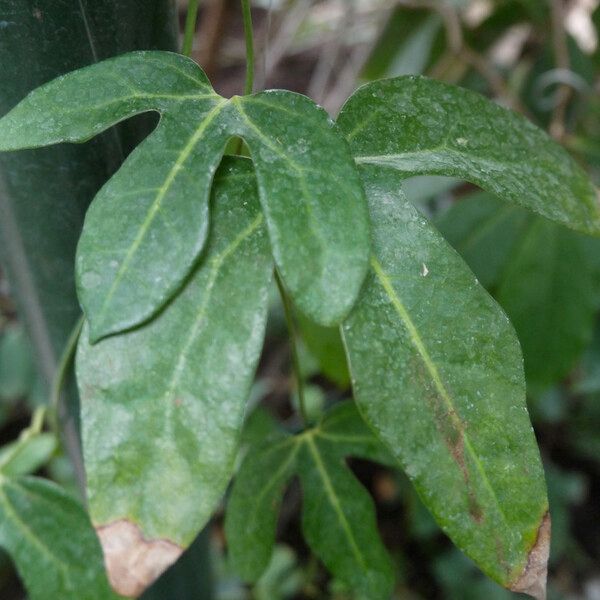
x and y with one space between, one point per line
249 86
62 370
289 319
190 27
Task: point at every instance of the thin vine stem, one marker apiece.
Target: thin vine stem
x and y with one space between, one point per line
61 372
247 14
289 319
190 27
285 299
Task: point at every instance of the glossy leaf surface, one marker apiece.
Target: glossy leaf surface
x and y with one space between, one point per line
421 126
540 273
437 372
338 514
162 406
43 527
148 225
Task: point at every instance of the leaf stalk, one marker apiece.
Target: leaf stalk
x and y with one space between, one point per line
247 14
190 27
289 319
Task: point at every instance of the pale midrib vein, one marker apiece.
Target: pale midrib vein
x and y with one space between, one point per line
298 168
433 372
28 533
157 203
361 126
337 437
216 264
334 500
137 96
272 482
392 159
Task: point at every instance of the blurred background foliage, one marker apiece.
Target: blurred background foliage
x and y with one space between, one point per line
541 58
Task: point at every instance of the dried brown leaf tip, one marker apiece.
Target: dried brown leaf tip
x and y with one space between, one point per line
532 580
132 562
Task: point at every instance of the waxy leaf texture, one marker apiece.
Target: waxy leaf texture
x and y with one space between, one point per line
421 126
338 516
147 226
163 405
49 537
437 372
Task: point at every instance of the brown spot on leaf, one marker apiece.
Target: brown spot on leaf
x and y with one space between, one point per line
532 580
132 562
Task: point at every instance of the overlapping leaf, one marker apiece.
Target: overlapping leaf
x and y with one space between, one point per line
49 537
147 226
437 372
540 273
338 514
162 406
420 126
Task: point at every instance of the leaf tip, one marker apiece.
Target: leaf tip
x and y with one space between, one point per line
532 580
133 562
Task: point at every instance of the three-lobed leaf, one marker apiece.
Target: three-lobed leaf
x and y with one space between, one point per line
421 126
148 224
48 535
163 405
338 514
437 372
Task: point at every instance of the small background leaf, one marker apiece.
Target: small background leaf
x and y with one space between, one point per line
42 526
338 515
542 275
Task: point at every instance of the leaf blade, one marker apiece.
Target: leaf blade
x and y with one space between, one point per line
174 421
445 346
81 104
312 199
251 516
338 520
119 281
421 126
35 515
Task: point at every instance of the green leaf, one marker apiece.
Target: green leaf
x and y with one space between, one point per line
251 516
484 231
49 536
338 514
548 293
542 274
437 373
325 344
23 457
147 226
421 126
44 193
163 405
